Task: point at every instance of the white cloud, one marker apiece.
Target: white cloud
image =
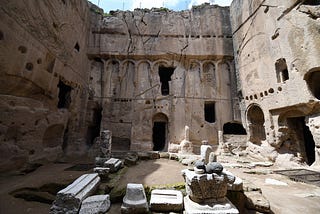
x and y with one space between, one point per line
153 3
199 2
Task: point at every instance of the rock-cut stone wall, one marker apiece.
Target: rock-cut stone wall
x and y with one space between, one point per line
153 68
43 80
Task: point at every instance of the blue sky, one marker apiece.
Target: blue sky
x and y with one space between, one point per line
177 5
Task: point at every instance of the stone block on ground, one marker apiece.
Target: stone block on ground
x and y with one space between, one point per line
100 161
69 199
131 159
135 200
166 200
103 172
114 164
95 204
221 206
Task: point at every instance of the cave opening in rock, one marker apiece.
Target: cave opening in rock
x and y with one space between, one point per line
64 95
234 128
93 130
282 70
160 132
304 138
311 2
159 136
256 121
165 74
313 80
209 112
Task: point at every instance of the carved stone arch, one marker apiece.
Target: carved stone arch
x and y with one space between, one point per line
194 65
126 78
112 68
255 120
143 79
158 63
209 72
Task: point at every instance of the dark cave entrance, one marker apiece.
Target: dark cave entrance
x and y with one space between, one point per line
234 128
159 136
160 132
304 137
256 121
64 95
165 74
94 129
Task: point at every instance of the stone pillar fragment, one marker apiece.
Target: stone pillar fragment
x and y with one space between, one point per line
205 151
69 199
135 200
95 204
105 144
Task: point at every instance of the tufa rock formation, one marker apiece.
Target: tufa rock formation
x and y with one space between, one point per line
67 72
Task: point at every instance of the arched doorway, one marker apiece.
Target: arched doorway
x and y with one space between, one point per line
160 132
256 121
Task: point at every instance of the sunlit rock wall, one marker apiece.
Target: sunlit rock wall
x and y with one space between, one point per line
129 50
277 57
43 80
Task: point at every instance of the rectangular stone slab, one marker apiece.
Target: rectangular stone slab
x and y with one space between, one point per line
166 200
113 163
95 204
69 199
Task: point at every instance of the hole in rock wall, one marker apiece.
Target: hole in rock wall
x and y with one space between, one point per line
256 121
159 135
313 82
303 137
64 95
1 35
29 66
160 132
281 70
22 49
312 2
209 112
165 74
77 47
94 129
234 128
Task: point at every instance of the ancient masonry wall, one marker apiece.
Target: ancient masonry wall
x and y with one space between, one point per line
43 80
277 55
128 52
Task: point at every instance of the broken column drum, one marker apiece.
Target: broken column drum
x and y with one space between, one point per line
105 143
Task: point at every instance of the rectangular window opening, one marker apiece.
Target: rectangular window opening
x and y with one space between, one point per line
209 112
281 70
165 74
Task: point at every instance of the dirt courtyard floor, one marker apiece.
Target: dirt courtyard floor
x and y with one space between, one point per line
295 197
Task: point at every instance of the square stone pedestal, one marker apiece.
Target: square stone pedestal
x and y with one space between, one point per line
223 206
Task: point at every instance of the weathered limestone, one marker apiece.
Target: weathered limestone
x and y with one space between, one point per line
147 85
69 199
96 204
105 144
206 189
205 151
43 88
103 172
185 145
166 201
278 74
135 200
113 164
